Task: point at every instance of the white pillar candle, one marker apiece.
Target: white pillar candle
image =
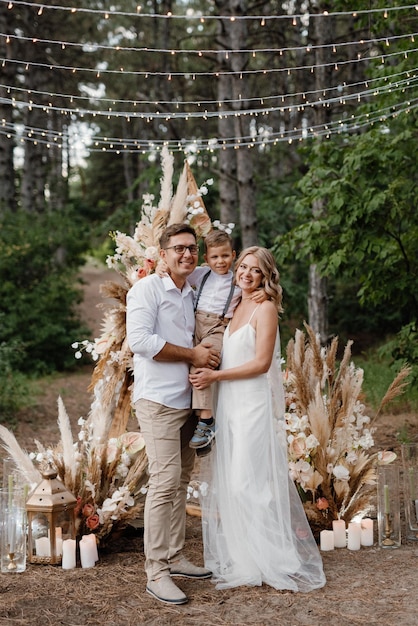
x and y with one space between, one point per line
92 539
366 537
354 536
87 552
340 535
68 554
42 547
326 540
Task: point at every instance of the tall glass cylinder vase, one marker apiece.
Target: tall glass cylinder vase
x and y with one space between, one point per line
388 506
13 531
410 483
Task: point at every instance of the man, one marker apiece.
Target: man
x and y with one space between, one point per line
160 327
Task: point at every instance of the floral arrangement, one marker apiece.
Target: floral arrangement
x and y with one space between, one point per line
329 436
106 466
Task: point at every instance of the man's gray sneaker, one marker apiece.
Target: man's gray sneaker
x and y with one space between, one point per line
166 591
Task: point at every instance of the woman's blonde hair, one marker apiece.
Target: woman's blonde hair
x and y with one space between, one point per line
271 277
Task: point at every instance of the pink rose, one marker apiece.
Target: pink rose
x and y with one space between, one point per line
93 522
142 272
322 504
88 509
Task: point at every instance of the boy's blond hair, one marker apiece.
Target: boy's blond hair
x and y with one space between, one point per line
217 238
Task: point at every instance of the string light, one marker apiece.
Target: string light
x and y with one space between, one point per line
226 53
264 105
198 16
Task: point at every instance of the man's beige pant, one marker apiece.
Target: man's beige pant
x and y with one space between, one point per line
167 433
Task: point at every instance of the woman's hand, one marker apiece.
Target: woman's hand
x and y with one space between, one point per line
203 378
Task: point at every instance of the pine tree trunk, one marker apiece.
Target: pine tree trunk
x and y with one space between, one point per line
7 174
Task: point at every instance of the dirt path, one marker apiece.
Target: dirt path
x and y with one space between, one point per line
371 586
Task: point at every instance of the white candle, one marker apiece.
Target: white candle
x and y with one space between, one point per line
58 546
92 539
386 499
58 540
42 546
326 540
68 554
11 533
340 535
366 537
354 536
87 552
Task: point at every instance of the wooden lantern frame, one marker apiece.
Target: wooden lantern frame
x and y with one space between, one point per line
51 501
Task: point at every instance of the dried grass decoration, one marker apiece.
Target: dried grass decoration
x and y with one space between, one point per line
105 467
329 436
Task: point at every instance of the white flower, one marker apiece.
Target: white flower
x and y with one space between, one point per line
74 345
341 473
78 355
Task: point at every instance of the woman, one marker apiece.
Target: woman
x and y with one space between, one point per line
254 526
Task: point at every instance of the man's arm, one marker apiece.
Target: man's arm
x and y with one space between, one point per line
140 322
202 353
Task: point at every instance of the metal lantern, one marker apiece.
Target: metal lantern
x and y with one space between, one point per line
51 519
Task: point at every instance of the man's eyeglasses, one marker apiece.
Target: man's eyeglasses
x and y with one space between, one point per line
182 249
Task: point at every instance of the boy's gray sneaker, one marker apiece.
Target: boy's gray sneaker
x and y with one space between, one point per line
203 435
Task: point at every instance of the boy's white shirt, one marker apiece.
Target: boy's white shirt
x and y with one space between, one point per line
215 291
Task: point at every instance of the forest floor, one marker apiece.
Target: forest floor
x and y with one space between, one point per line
369 586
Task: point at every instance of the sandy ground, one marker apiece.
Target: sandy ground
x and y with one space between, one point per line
371 586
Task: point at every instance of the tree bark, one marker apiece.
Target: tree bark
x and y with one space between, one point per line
7 173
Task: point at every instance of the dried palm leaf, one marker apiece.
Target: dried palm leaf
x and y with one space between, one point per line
178 209
21 458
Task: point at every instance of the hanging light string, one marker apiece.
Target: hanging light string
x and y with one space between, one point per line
197 15
93 48
355 90
391 87
268 137
193 75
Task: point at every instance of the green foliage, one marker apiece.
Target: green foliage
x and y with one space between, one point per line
357 215
379 372
403 348
14 386
39 260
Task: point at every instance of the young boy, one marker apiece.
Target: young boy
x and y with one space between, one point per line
215 301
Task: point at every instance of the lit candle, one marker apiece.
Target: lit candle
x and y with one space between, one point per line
386 499
326 540
366 537
68 554
340 535
42 547
87 552
354 536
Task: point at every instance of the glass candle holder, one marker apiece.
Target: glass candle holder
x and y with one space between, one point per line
13 529
388 506
410 482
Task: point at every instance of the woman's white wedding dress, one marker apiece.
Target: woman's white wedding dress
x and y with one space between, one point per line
254 527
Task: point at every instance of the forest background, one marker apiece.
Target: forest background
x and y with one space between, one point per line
304 114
